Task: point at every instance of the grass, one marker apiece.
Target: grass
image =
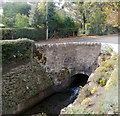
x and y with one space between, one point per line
106 99
103 72
86 102
79 110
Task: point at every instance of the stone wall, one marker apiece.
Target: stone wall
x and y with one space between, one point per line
22 83
68 58
50 70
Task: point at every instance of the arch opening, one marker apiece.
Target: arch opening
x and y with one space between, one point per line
79 80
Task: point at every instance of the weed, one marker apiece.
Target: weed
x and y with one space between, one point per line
86 102
102 82
107 49
94 90
79 110
85 91
102 73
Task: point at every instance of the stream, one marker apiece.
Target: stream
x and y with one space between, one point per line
53 104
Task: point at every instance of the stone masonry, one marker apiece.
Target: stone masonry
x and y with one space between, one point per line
50 70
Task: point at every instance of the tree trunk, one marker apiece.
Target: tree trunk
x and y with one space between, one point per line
84 22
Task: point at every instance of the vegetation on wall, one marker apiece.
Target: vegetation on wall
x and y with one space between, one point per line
23 83
103 73
16 50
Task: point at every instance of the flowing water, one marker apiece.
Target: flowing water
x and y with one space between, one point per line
53 104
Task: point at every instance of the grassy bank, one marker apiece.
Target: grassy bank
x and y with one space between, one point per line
100 95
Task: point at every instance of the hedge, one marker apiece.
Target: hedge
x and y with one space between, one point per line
101 29
31 33
61 33
16 50
36 34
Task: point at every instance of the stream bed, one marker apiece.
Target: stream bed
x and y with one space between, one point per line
53 104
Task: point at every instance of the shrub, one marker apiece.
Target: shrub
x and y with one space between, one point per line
94 90
79 110
21 20
85 92
107 49
108 101
31 33
102 82
102 73
101 69
101 29
101 78
65 32
109 64
113 79
16 50
36 34
86 102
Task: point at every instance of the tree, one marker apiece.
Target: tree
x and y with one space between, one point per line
21 20
53 18
86 12
57 18
37 15
111 10
78 11
10 10
7 21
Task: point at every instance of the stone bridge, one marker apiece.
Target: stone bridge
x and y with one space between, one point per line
70 58
49 70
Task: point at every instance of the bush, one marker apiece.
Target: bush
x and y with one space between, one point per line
85 92
109 64
113 79
103 73
79 110
108 101
102 82
65 32
101 29
16 50
94 90
107 49
21 20
86 102
31 33
36 34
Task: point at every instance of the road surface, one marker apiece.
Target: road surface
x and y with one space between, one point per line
109 39
113 41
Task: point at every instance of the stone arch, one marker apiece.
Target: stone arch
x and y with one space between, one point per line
79 79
